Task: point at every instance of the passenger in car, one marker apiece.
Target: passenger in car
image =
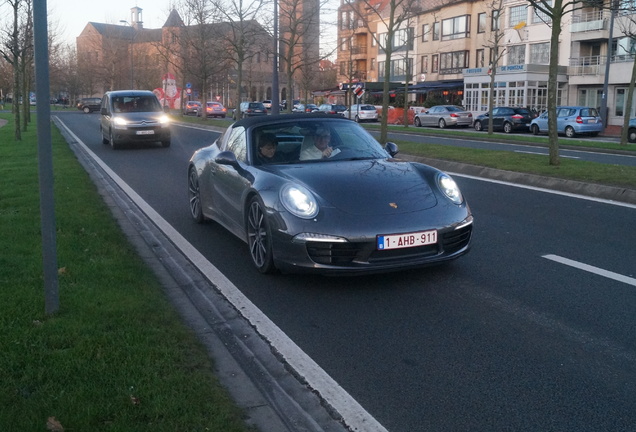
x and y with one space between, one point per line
317 146
267 146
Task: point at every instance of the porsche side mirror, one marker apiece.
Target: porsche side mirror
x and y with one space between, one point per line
391 148
227 158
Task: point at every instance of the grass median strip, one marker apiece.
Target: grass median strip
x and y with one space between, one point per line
116 356
570 169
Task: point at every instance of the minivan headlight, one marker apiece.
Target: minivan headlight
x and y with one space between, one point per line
119 121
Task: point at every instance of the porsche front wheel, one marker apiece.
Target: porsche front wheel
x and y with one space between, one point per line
194 194
259 237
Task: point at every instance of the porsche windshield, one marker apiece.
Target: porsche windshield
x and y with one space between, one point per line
316 141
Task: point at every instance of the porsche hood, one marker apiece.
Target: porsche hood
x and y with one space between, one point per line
366 186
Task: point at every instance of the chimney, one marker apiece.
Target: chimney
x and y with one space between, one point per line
135 18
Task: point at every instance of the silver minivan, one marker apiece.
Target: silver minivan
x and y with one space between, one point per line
130 116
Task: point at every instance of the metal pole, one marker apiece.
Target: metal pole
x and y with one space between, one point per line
45 158
610 42
275 89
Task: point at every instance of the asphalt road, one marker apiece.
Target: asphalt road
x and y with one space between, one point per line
533 330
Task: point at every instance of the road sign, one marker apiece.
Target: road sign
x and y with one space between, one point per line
189 91
358 90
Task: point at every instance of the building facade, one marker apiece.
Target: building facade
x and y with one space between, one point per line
448 51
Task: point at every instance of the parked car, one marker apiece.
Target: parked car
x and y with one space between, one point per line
507 119
250 109
361 113
268 104
444 116
332 108
631 132
192 107
386 214
283 104
571 121
130 116
88 105
213 109
305 108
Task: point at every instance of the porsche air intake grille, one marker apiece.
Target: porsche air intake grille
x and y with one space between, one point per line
345 254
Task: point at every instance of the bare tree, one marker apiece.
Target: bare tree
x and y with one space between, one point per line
627 26
495 9
13 50
242 36
392 15
554 10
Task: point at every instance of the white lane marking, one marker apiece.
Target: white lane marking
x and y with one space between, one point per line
352 413
545 154
550 191
596 270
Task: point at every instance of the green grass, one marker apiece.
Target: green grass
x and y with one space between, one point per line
116 357
571 169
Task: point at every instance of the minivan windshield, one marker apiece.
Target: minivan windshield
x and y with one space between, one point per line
136 104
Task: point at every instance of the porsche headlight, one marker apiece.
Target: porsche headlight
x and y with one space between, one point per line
299 201
449 188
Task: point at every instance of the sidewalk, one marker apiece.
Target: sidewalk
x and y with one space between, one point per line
612 131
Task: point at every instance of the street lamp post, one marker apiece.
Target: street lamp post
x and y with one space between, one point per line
132 40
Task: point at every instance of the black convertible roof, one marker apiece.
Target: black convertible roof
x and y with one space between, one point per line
258 120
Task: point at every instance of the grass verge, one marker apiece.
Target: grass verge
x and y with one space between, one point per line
570 169
116 356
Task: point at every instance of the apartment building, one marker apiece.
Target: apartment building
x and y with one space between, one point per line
447 49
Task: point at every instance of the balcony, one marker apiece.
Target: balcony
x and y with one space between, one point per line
590 26
591 69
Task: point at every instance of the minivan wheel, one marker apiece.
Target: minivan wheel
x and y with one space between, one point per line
113 144
569 132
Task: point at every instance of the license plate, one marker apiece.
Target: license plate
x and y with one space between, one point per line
145 132
591 121
399 241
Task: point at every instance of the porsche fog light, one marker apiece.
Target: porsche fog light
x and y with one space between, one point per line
449 188
299 201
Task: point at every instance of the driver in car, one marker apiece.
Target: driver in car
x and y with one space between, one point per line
320 147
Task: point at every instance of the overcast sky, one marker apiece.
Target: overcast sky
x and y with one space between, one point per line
71 16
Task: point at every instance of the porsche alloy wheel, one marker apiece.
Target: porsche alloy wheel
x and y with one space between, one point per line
194 195
259 237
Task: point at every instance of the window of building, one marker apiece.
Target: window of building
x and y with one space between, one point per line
495 23
404 38
435 63
479 58
453 62
516 54
481 22
518 14
344 44
539 17
456 28
400 68
425 31
436 31
540 53
592 97
424 64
